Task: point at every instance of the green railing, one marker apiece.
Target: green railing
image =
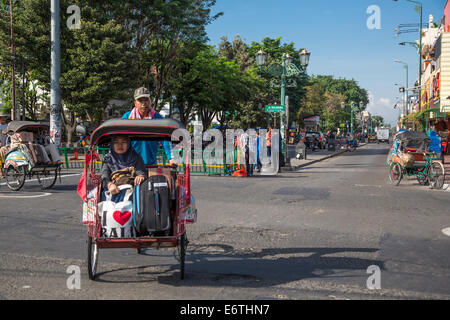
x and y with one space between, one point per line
202 161
73 157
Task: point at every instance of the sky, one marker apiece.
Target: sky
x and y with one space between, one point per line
337 34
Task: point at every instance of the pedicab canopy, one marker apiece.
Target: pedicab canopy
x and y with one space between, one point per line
411 135
413 139
17 126
148 129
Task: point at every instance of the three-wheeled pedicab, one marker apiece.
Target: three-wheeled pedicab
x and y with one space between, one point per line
182 207
411 157
21 160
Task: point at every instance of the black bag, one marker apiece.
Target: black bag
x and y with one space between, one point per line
151 203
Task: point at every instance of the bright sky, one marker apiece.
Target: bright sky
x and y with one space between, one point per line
336 33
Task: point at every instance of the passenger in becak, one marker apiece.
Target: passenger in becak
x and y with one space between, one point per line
121 156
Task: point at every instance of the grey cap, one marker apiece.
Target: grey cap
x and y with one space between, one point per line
141 92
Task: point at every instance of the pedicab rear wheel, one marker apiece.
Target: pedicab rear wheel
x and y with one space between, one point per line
395 173
47 179
436 175
92 256
15 177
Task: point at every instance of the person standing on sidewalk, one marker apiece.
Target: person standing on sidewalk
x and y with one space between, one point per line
268 142
258 154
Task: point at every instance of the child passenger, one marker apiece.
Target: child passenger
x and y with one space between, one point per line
121 156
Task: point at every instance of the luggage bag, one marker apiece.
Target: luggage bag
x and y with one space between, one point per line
151 201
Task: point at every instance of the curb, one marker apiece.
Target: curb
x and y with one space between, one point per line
295 168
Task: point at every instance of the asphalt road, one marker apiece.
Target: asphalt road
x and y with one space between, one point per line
310 234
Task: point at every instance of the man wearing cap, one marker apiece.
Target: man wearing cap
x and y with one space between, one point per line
148 150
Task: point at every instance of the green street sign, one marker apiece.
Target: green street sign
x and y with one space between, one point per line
275 108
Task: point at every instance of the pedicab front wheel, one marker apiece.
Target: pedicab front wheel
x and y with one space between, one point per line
182 245
92 255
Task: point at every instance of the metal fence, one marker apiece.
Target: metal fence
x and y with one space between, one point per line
202 161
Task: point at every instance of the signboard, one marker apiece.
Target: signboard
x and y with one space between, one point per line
444 76
275 108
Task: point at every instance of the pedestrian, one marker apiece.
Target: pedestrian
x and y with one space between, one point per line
257 166
148 150
3 126
269 142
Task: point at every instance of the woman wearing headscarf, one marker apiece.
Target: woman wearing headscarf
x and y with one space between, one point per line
121 156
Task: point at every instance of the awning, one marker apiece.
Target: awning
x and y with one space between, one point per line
421 113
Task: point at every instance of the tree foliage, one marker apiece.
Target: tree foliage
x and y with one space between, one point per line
161 45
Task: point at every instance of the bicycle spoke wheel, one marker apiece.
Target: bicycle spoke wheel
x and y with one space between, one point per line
92 255
47 179
182 245
395 173
15 177
436 175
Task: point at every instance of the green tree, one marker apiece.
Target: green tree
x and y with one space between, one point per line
209 85
159 29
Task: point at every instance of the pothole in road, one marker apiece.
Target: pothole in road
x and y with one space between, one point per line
304 193
235 278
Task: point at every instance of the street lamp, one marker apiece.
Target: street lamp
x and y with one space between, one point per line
420 10
412 44
283 70
288 59
405 95
304 57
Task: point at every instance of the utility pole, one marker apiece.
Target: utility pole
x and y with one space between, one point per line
13 58
55 94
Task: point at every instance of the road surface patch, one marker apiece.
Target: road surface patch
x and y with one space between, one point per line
446 231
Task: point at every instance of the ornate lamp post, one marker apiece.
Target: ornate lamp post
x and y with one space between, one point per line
285 70
419 9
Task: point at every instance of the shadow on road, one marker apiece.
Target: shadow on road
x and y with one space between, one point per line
221 265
